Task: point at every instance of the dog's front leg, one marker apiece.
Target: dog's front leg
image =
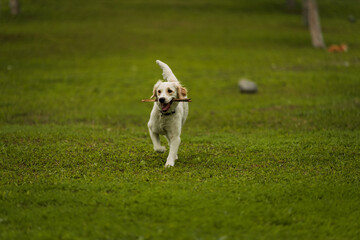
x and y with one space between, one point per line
156 142
174 143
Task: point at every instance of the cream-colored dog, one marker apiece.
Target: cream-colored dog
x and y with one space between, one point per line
167 116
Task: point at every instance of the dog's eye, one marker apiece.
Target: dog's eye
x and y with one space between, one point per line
159 91
170 91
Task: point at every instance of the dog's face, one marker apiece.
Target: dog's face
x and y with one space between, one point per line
166 92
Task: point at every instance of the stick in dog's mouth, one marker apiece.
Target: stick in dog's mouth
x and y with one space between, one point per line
174 100
166 106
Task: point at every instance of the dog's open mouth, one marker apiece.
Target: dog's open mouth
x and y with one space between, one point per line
166 106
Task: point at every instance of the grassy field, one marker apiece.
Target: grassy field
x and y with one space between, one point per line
76 161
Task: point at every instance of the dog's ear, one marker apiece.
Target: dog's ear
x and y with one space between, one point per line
181 91
155 89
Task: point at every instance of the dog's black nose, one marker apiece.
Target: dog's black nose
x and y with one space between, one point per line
162 100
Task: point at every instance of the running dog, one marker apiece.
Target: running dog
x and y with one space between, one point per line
168 116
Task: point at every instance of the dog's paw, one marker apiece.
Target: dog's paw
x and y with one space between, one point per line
160 149
169 165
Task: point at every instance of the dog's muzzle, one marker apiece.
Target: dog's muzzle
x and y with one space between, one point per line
165 106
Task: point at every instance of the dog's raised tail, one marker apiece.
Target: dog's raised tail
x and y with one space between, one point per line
168 75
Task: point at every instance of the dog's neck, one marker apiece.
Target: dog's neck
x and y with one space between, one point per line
167 113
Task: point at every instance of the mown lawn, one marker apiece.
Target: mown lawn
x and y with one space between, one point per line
76 161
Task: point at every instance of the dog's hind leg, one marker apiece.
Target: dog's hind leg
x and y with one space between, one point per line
156 142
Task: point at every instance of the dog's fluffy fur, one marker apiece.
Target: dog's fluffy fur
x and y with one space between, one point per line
167 117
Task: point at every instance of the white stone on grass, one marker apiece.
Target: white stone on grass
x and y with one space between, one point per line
247 86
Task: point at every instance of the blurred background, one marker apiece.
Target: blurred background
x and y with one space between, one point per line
91 62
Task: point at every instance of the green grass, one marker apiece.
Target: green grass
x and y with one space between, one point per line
76 161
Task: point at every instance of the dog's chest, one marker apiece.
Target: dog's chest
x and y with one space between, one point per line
164 123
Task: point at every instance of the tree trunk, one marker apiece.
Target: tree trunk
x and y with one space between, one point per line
305 13
314 25
14 7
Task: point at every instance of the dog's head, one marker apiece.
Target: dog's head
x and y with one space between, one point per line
166 92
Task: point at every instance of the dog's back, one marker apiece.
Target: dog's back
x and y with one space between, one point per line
185 107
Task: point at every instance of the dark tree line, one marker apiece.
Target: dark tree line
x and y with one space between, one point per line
310 16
